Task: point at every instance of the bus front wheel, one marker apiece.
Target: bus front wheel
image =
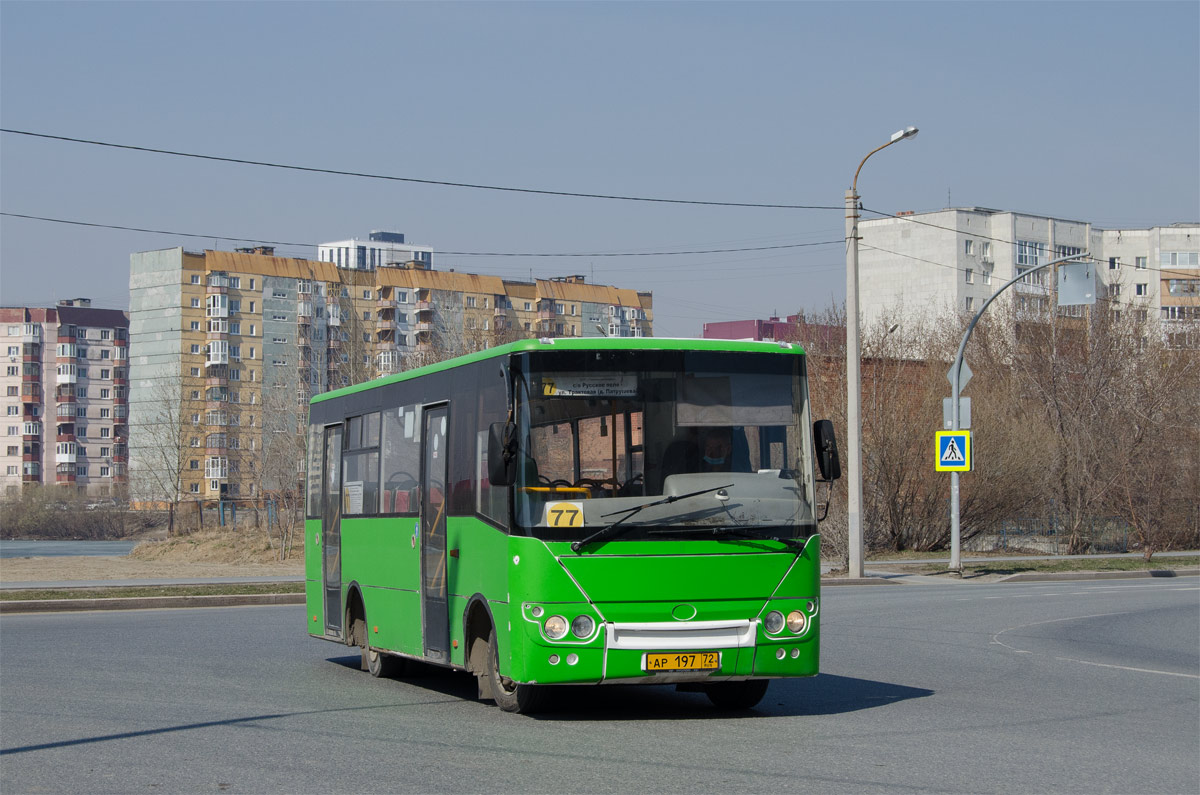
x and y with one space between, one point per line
509 695
737 695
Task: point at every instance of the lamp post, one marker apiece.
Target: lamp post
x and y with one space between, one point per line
854 367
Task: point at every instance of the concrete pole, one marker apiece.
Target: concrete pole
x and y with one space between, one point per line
853 392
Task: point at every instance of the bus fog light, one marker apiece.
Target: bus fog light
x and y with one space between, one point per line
572 659
554 659
773 622
797 622
795 654
780 654
556 627
582 626
537 611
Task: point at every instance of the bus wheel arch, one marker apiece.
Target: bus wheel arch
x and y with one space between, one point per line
477 628
355 625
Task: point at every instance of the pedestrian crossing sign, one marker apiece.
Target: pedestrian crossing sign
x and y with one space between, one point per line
953 450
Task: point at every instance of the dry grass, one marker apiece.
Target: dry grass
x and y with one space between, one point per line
215 546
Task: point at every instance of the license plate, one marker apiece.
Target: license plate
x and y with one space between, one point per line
684 661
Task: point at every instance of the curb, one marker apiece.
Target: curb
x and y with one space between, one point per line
1068 576
147 602
826 581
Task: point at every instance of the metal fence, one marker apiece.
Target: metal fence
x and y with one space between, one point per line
1048 536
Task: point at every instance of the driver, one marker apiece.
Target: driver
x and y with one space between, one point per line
717 449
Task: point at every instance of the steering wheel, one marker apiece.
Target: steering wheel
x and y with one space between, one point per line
396 477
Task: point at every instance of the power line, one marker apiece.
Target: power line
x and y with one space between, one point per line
445 183
440 253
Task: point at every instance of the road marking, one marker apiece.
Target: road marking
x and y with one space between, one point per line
997 641
1128 668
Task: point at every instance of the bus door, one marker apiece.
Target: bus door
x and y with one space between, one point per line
331 529
434 459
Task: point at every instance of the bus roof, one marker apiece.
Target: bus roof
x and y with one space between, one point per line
574 344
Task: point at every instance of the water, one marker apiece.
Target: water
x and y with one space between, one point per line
58 549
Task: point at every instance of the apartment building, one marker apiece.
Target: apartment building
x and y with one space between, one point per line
66 393
227 347
921 265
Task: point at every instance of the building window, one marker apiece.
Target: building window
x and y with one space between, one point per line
1114 263
1114 290
968 247
1139 263
195 303
195 278
470 302
1031 254
105 433
105 373
81 470
970 274
1141 289
970 304
235 282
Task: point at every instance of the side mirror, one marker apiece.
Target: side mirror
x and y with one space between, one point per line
828 460
502 453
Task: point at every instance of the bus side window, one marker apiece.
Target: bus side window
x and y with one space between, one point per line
401 461
360 467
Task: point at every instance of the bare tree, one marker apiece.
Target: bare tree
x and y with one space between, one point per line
166 420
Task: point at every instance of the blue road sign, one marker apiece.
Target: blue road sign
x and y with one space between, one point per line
953 449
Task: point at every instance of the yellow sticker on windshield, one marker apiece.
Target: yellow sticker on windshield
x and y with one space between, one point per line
564 514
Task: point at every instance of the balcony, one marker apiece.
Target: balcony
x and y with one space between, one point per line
545 314
31 332
67 374
65 412
425 306
424 327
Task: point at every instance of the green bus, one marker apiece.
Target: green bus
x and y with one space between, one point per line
574 511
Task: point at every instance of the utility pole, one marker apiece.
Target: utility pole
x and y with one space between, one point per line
957 382
854 370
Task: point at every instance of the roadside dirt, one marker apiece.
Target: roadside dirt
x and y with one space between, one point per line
200 555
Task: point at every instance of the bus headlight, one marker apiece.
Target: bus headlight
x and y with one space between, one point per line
556 627
582 626
773 622
797 622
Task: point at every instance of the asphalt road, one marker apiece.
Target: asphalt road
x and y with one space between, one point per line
1039 687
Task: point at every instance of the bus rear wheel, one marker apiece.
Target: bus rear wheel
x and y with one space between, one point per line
381 665
737 695
509 695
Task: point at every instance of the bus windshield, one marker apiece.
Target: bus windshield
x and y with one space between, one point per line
667 444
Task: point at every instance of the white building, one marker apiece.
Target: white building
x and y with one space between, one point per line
925 265
380 249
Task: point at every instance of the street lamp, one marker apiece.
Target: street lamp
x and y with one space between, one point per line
854 366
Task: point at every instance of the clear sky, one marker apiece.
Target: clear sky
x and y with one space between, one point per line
1080 110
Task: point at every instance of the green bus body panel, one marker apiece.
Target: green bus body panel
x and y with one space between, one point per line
635 578
580 344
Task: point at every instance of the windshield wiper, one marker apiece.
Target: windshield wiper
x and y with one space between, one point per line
609 529
738 531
